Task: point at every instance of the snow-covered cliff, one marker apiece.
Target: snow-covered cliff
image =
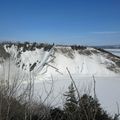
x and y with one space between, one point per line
43 60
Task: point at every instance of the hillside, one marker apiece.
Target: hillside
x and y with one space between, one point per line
44 60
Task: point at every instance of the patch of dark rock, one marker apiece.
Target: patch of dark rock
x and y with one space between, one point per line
78 47
33 66
113 68
47 47
118 63
3 53
23 66
19 54
85 52
70 55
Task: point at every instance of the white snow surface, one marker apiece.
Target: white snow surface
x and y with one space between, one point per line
49 73
55 62
107 90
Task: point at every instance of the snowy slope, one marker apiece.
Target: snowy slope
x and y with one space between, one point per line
43 63
47 63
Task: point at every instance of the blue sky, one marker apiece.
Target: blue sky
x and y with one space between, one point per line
86 22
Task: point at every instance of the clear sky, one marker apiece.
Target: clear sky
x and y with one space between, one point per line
87 22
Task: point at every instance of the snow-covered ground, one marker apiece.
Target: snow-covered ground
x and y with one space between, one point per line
48 70
107 90
107 86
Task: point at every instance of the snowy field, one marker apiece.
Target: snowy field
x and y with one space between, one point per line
107 90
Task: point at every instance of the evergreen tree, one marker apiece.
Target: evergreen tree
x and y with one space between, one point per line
91 109
71 101
86 108
71 104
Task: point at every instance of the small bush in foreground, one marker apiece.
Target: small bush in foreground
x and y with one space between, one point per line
83 108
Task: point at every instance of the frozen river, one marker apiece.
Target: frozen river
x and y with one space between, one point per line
107 90
114 51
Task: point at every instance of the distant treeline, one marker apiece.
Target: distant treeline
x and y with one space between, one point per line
28 45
